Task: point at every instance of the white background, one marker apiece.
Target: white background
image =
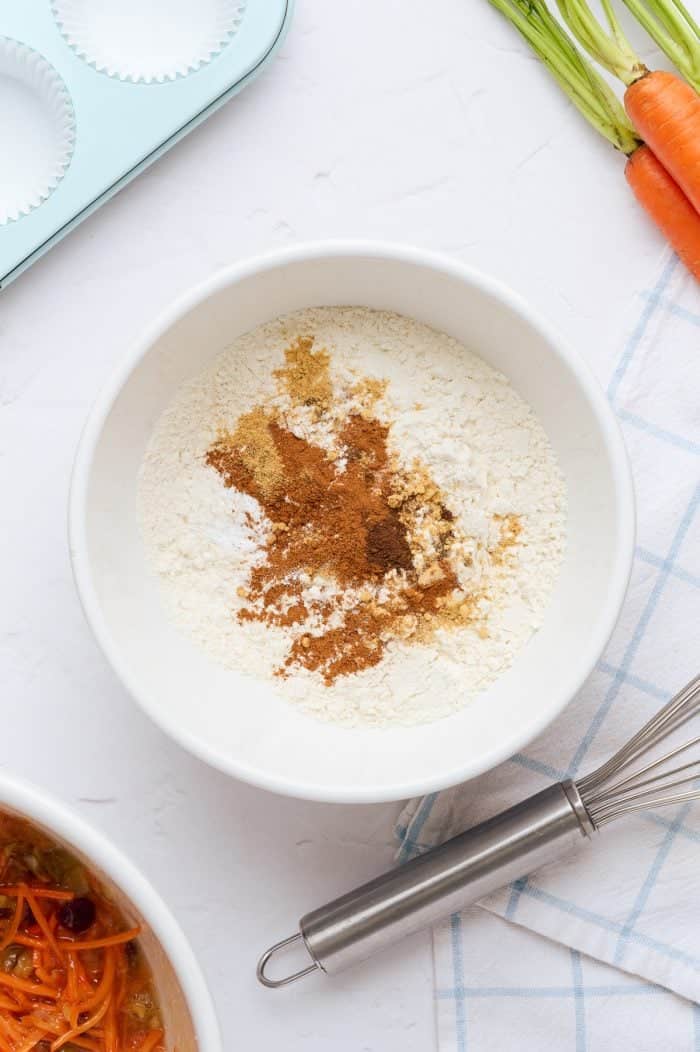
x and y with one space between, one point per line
427 123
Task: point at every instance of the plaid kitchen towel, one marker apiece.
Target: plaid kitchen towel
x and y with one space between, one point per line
604 949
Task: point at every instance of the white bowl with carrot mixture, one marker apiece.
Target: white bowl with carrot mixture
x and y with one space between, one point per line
91 956
242 681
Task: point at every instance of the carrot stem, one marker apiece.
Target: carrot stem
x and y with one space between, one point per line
672 27
594 99
608 46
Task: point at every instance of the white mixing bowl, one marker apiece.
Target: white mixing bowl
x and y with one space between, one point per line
237 723
188 1013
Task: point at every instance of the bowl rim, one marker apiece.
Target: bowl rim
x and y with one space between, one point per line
41 807
606 422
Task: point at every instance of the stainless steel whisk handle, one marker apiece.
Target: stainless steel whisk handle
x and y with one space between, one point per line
458 873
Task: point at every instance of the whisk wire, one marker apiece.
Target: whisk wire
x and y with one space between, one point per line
633 778
618 787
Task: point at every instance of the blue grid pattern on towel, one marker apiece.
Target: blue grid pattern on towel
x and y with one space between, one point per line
665 566
584 998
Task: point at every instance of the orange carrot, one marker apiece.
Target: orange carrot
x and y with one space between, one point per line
85 944
28 940
666 204
659 194
39 891
153 1039
664 109
83 1042
78 1030
100 944
43 923
28 987
15 922
666 113
104 987
110 1033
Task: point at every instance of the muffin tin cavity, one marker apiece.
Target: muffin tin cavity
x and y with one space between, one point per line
37 128
104 86
148 41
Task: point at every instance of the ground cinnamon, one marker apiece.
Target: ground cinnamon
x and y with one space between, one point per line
340 570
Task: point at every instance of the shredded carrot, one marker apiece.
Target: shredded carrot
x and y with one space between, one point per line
104 987
76 1031
75 991
72 983
15 922
40 892
43 923
35 989
31 1041
40 969
152 1040
22 939
101 944
45 1024
72 990
110 1034
84 1042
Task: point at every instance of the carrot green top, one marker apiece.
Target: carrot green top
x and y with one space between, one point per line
668 22
583 85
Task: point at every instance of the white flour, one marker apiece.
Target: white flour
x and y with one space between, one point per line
484 448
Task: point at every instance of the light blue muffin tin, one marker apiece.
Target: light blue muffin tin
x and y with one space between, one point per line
121 121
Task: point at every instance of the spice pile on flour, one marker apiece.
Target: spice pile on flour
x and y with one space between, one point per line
357 508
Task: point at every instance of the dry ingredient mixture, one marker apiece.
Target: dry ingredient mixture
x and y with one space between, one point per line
353 505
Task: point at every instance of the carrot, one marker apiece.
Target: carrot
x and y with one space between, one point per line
28 987
658 193
666 113
83 1042
76 991
41 893
43 923
110 1034
86 944
664 110
152 1041
100 944
674 30
104 987
13 927
78 1030
41 971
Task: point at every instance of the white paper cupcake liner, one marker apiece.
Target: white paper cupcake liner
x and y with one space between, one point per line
37 128
148 41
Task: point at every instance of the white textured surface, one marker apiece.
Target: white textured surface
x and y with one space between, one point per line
390 120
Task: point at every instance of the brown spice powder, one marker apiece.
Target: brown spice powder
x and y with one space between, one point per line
257 453
511 529
305 374
348 522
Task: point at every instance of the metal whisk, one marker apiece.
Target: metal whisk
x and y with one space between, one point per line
606 796
536 831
